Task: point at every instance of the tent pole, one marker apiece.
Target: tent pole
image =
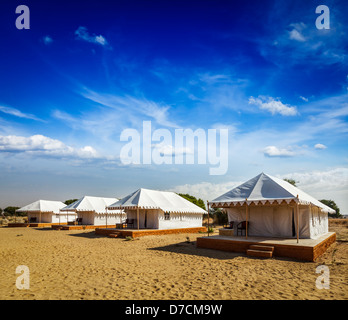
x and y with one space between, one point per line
138 216
208 217
106 216
246 219
298 219
59 218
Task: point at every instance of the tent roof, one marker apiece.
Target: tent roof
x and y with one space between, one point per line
88 203
43 206
153 199
265 187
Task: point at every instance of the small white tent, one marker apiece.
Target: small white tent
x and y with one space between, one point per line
45 211
274 208
152 209
92 211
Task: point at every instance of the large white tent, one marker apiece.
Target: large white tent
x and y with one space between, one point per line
92 211
154 209
44 211
274 208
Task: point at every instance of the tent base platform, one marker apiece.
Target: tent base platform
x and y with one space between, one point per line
135 233
32 224
305 250
79 227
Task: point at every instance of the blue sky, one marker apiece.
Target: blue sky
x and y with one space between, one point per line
87 70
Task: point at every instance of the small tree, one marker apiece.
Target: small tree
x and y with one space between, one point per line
11 211
332 205
70 201
198 202
291 181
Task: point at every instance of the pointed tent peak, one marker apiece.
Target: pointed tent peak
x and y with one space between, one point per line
266 187
166 201
90 203
43 206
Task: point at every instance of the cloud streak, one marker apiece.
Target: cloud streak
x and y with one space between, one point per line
83 34
39 145
18 113
273 106
128 105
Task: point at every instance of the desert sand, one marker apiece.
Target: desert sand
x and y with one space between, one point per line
74 265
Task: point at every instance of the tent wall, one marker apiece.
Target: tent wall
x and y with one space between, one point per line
92 218
71 217
47 217
319 223
180 220
155 219
147 218
281 221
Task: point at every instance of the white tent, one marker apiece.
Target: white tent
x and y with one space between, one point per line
274 208
92 211
154 209
45 211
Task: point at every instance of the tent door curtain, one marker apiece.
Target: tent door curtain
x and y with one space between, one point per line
265 221
145 219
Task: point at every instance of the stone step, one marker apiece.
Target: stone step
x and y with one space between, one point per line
261 247
259 253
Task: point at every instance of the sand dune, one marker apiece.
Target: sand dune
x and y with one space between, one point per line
81 265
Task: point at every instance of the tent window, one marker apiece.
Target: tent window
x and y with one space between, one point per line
167 216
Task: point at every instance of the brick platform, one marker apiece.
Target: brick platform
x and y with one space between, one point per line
305 250
79 227
146 232
31 225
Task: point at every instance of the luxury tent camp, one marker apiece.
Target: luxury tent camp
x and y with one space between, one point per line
272 207
45 211
152 209
92 211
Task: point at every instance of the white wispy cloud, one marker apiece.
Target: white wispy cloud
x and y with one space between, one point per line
169 150
273 151
296 32
18 113
320 146
273 106
39 145
83 34
133 107
304 98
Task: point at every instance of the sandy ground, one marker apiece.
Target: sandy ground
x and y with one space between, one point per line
80 265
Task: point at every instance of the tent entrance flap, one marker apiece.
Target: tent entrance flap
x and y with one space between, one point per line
265 221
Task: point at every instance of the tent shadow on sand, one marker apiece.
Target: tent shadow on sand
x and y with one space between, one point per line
86 234
189 248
